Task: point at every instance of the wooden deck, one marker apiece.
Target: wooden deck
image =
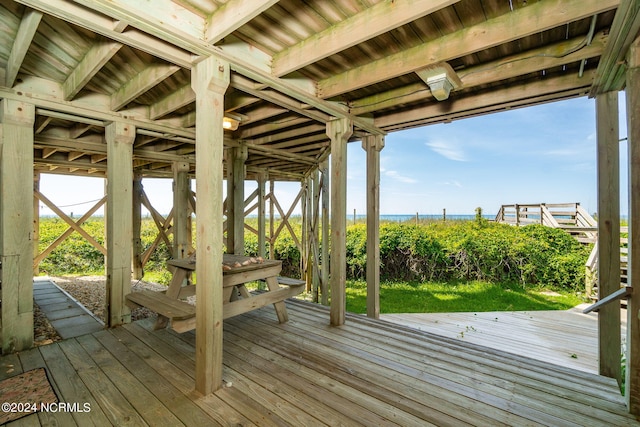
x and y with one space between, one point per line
567 338
305 372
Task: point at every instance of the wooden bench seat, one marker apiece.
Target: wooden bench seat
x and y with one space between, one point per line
288 281
180 313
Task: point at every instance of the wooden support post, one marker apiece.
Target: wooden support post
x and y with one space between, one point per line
136 264
210 79
36 222
339 131
372 145
272 220
181 212
262 230
240 155
119 226
632 383
16 225
324 267
304 238
228 205
608 232
315 235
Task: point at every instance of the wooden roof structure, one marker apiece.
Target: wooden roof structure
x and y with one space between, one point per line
125 89
295 65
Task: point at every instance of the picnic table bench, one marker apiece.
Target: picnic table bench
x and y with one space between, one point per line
237 270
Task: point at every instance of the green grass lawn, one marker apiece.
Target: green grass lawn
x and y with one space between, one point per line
420 297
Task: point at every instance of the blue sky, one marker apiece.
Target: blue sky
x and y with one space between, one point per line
538 154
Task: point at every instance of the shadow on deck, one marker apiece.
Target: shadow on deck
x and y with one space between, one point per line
307 373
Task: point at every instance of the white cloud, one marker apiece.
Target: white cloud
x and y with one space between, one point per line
448 150
396 176
453 183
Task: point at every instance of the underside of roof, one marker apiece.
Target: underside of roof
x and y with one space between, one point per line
385 65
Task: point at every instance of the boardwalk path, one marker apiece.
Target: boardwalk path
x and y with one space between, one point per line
65 314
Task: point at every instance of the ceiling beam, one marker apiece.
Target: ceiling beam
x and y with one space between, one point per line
142 82
99 54
26 31
269 127
173 44
528 62
511 26
289 134
231 16
172 102
94 110
373 21
263 113
624 30
281 100
489 101
80 15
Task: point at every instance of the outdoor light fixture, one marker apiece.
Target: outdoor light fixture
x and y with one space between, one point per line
230 123
441 79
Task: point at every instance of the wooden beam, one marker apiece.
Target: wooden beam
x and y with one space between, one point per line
16 225
373 21
240 155
36 221
281 100
532 61
608 155
176 100
621 293
73 226
231 16
262 213
372 145
136 219
632 382
142 82
119 221
210 79
324 267
82 16
339 131
26 31
100 109
530 93
181 224
611 67
99 54
177 44
520 23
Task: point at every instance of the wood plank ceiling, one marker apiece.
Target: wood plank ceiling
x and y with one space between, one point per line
295 65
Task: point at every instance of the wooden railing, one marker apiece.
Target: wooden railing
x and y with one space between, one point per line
570 217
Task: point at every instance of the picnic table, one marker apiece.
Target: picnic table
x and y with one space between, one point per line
236 271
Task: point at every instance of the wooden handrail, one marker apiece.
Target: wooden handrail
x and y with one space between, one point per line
619 294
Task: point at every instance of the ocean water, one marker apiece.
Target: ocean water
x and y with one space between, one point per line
403 218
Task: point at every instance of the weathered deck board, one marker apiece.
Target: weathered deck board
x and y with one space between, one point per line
306 372
566 338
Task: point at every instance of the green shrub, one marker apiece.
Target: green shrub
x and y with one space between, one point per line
443 251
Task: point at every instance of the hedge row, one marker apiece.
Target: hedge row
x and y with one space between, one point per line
470 250
460 250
